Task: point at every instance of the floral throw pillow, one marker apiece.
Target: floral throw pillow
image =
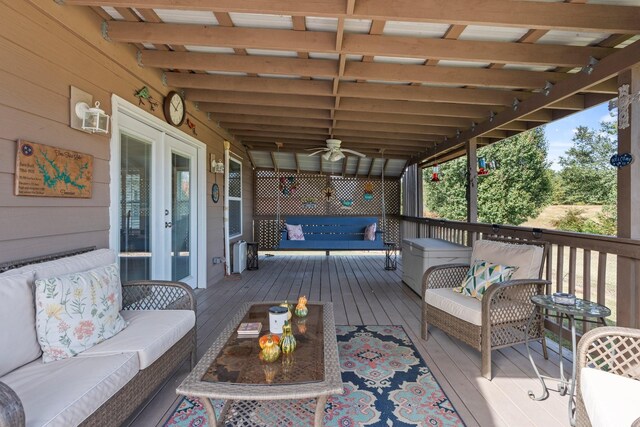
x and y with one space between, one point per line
294 232
370 232
483 274
77 311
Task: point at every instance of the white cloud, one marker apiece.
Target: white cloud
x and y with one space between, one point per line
608 118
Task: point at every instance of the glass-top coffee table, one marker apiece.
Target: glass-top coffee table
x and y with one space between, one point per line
231 370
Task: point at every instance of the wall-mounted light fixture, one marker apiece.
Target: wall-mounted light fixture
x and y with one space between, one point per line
216 166
94 119
83 116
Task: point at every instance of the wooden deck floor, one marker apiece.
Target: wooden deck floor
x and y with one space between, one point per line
363 293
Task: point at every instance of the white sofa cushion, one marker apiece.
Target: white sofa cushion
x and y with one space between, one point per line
458 305
527 258
149 333
77 311
66 392
18 341
611 400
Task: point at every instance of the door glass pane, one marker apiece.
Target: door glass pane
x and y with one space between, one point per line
135 201
181 216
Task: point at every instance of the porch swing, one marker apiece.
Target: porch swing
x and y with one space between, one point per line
326 233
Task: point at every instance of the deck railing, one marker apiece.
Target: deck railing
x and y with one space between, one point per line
582 264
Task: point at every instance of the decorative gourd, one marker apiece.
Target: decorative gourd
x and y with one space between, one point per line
288 341
263 340
288 307
271 351
301 308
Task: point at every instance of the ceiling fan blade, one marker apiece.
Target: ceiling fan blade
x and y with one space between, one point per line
317 152
354 152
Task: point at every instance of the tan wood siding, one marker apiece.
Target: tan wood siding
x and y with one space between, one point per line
44 49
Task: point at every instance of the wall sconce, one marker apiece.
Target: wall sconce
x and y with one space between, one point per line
216 167
84 117
94 119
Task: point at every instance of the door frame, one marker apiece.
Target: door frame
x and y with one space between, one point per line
120 106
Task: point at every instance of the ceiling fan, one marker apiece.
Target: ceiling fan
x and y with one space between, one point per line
333 152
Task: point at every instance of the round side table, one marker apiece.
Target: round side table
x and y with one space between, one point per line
583 311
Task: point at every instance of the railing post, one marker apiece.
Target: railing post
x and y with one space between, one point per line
472 183
628 292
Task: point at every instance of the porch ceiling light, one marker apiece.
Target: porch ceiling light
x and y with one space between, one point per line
94 119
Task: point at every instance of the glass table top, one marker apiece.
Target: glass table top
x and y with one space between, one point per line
580 308
238 362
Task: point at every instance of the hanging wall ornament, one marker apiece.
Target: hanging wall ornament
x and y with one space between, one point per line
434 173
288 185
368 192
621 160
328 193
482 167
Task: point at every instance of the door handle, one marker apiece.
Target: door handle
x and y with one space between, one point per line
167 224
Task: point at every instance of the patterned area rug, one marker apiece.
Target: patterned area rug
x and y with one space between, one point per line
386 383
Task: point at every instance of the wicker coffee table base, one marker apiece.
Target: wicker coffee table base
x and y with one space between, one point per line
230 406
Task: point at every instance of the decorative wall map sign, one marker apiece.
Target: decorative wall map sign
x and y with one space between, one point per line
42 170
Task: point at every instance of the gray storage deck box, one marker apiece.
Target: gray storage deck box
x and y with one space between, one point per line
420 254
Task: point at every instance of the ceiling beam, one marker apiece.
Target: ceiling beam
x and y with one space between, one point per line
429 94
274 128
389 127
298 101
420 108
479 77
237 63
275 136
218 107
277 121
412 119
468 50
249 84
562 16
372 45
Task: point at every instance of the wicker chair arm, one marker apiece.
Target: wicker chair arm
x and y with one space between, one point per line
11 409
611 348
443 276
157 295
510 300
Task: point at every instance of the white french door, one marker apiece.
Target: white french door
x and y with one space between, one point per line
157 202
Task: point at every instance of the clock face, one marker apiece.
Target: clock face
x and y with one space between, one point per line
174 109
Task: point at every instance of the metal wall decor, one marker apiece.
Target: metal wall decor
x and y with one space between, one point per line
622 103
215 192
621 160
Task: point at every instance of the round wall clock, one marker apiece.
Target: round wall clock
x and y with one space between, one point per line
215 193
174 109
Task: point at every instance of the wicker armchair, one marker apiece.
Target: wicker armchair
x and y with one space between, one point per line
612 349
506 309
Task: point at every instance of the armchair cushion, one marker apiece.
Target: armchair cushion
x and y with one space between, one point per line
481 275
611 400
458 305
528 258
149 333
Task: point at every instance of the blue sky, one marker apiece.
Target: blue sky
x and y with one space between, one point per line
560 132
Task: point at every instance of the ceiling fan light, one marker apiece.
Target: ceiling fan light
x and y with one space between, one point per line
336 155
326 155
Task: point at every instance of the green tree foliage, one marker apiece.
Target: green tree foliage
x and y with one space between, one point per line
586 176
514 192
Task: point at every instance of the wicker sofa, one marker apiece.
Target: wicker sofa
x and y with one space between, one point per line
105 384
501 318
608 375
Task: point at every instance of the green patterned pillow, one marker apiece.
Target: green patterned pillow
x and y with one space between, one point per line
483 274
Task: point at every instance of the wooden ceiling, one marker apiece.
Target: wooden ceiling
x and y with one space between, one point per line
415 78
